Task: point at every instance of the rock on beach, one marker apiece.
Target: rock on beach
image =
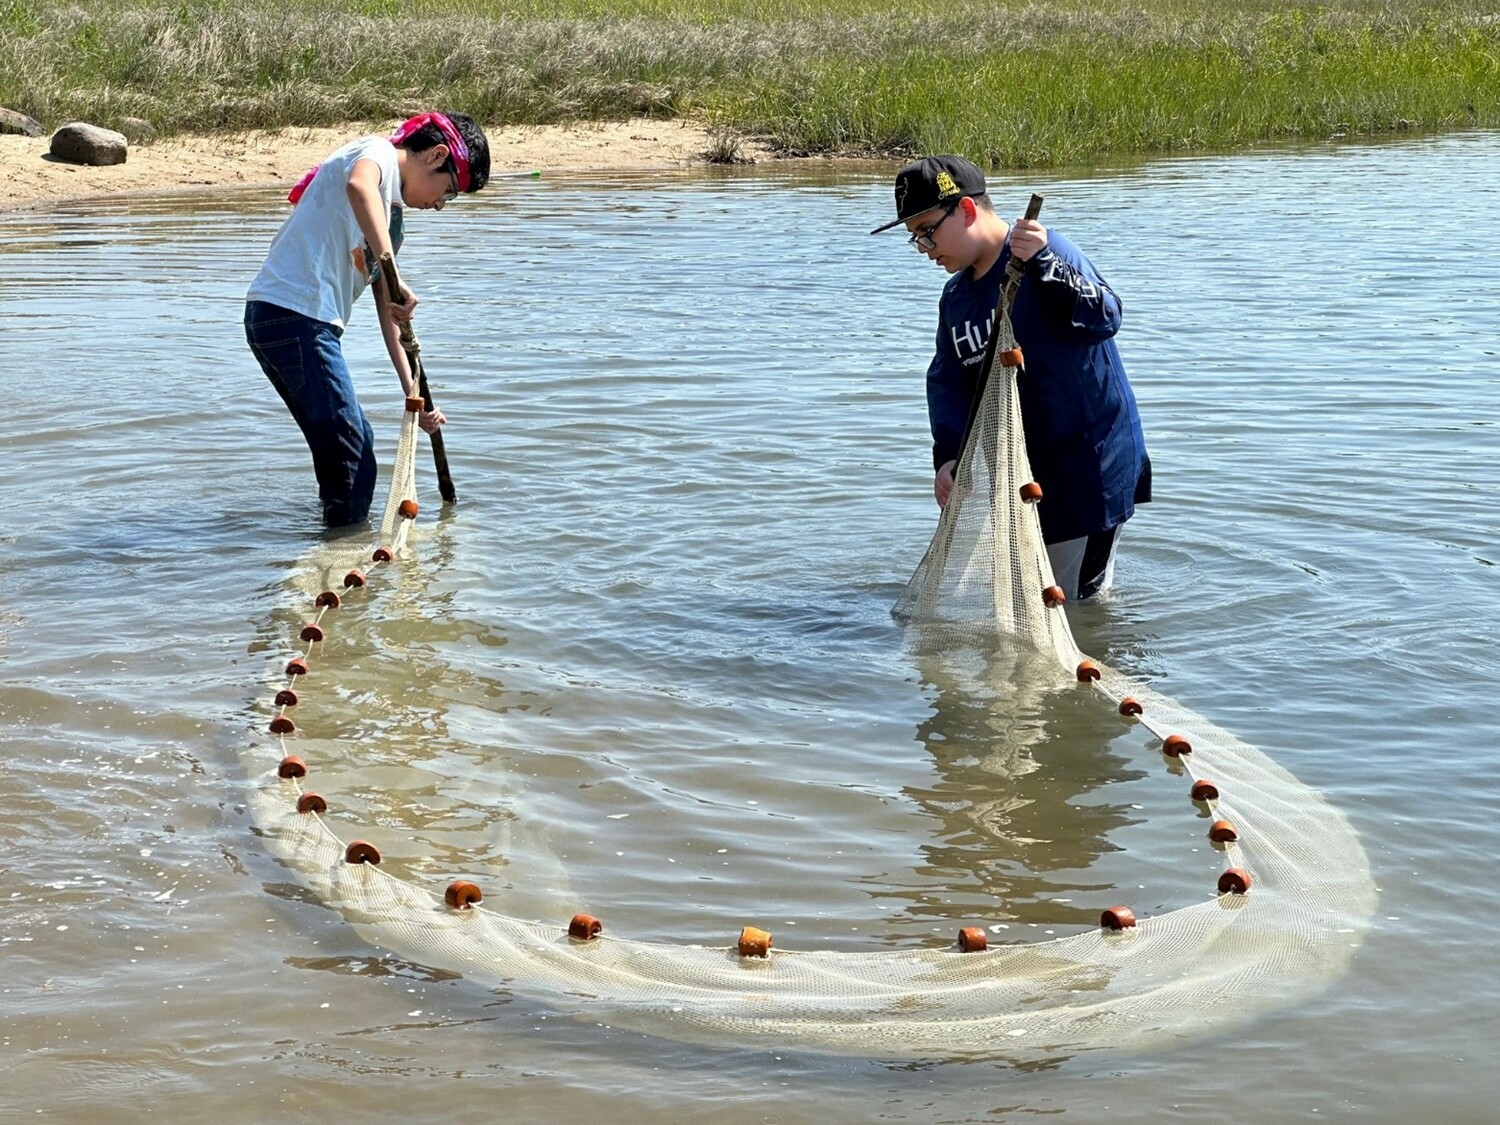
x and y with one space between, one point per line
13 121
81 143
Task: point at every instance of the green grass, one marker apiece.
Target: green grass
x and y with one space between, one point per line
1009 84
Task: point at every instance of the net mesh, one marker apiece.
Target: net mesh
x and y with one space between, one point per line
1218 961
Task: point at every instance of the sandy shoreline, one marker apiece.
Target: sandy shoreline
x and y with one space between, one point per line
28 178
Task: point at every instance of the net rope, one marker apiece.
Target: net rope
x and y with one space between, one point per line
1170 977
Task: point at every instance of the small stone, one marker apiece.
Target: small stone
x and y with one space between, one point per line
137 130
81 143
12 121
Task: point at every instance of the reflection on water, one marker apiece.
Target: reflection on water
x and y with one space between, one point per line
1017 800
646 666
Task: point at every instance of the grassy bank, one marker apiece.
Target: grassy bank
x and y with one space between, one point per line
1009 83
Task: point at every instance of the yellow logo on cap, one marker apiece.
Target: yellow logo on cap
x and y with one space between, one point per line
946 186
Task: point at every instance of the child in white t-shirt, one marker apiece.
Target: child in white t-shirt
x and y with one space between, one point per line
346 214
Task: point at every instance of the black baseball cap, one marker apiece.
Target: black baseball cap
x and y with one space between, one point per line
932 182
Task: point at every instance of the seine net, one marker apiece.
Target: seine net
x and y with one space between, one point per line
1174 975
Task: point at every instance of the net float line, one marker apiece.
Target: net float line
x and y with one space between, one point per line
1289 907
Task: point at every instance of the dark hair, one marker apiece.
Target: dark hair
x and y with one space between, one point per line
430 136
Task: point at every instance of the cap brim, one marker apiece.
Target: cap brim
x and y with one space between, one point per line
888 226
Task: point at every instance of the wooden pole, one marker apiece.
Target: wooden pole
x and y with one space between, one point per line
413 349
1008 287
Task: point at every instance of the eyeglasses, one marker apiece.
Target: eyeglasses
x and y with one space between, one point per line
452 193
922 238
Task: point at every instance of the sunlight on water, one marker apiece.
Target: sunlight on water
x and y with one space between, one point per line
646 666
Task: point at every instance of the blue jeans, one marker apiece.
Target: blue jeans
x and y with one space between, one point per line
305 364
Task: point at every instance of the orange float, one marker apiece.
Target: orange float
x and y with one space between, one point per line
1204 790
361 851
584 927
1031 492
754 943
312 632
296 666
972 939
282 725
382 554
327 598
1130 706
354 578
1053 596
1011 357
311 802
1235 881
1088 671
286 697
408 509
291 766
1222 832
462 894
1175 746
1117 918
415 405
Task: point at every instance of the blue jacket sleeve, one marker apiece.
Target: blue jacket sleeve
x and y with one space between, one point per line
1073 296
950 390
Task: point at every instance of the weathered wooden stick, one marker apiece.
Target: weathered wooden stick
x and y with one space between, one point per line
1008 287
413 349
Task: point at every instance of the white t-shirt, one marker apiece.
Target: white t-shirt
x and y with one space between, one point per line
318 263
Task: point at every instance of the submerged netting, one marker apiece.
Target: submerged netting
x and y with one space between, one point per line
1285 918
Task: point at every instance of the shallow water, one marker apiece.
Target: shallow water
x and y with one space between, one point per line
646 667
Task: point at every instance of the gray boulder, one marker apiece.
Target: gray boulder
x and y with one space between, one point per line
12 121
81 143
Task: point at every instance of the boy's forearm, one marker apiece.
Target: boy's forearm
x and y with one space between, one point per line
1084 302
391 333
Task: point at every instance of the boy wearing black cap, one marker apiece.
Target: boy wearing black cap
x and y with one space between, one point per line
1083 432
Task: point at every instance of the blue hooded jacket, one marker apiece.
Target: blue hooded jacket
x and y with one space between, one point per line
1083 432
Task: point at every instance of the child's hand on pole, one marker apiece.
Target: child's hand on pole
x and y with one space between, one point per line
404 309
1028 237
430 420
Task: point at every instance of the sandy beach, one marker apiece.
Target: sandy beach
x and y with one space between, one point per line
29 178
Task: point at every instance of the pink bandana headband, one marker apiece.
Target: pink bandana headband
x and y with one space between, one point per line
457 150
456 147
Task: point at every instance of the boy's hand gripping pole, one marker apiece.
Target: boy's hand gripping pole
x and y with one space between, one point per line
413 349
